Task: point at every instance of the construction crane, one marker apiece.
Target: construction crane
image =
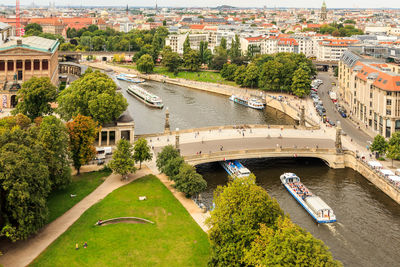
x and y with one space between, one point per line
18 20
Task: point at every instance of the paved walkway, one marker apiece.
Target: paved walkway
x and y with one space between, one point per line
24 252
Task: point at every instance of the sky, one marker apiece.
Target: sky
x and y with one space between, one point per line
214 3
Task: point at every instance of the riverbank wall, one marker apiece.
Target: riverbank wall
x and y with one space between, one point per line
352 161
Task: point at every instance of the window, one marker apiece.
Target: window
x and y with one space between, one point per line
2 65
45 64
397 83
10 65
28 65
370 95
389 93
19 64
388 112
370 104
388 102
36 64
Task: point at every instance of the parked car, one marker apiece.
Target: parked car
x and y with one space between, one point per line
332 123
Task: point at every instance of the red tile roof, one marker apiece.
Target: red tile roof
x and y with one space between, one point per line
385 81
287 41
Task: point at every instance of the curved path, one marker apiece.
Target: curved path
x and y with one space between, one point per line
24 252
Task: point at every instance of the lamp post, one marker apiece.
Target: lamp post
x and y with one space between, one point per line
177 140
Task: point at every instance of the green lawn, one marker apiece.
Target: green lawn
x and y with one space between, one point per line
201 76
60 201
174 240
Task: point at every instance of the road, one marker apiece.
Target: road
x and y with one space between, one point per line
348 126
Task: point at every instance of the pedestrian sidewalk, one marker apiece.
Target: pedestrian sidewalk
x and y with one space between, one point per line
22 253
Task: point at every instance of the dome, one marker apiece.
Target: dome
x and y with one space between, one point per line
104 13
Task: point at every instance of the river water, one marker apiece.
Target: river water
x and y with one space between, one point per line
368 229
191 108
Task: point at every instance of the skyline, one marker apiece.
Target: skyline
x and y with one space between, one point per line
211 3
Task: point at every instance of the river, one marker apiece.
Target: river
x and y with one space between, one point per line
368 229
190 108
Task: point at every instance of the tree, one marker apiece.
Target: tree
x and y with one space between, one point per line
240 208
168 152
223 43
270 76
186 45
288 245
393 152
171 60
142 151
235 52
145 63
191 60
33 29
240 75
82 134
379 145
188 181
251 76
53 135
35 96
228 71
123 161
94 95
24 184
171 168
301 83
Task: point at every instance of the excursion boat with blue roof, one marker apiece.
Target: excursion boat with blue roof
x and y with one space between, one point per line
129 78
235 169
251 103
314 205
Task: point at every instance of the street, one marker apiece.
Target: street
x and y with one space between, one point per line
348 126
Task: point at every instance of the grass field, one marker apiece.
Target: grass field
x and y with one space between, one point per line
174 240
60 201
201 76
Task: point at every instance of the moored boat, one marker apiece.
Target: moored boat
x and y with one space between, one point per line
129 78
314 205
235 169
252 102
145 96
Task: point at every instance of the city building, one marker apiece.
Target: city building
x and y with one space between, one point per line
22 59
5 32
324 13
332 49
370 87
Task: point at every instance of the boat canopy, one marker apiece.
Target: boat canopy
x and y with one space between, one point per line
387 172
394 178
317 204
375 164
291 177
244 170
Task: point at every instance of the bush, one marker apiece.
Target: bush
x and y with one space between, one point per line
188 181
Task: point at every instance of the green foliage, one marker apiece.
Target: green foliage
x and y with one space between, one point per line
340 30
234 51
82 134
67 47
167 153
123 161
228 71
35 96
393 149
142 151
145 64
53 135
171 168
240 208
33 27
288 245
301 83
171 60
240 75
251 76
188 181
24 184
379 144
186 45
147 49
191 60
270 76
94 94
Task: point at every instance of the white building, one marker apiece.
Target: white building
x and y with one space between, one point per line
333 49
5 32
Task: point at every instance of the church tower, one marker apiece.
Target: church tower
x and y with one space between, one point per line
323 11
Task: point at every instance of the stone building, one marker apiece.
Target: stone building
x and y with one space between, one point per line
111 133
5 32
324 12
22 59
371 89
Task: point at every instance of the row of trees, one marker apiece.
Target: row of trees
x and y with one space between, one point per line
248 228
390 148
338 29
186 179
285 72
34 29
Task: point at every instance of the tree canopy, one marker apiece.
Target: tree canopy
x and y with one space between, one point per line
82 134
188 181
142 151
379 144
145 63
123 161
35 96
94 95
167 153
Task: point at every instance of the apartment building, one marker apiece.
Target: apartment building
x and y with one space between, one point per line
332 49
175 41
371 89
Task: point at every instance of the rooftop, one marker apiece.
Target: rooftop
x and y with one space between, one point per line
32 42
4 26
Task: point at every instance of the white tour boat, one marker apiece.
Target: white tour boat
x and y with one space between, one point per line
145 96
251 103
314 205
235 169
129 78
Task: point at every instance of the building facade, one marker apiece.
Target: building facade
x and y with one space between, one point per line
22 59
371 89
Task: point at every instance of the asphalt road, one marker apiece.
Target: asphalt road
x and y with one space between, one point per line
348 127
